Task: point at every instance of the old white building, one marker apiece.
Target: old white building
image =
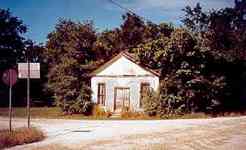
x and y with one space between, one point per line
121 82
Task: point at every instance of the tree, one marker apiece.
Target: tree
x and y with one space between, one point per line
108 43
12 42
69 53
186 83
223 34
12 48
132 30
223 31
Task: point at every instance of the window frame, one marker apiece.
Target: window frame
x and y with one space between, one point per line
141 92
101 93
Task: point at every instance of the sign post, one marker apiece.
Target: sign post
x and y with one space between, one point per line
28 71
10 78
28 93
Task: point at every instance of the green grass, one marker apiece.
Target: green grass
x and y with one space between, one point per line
41 112
56 113
48 113
20 136
188 116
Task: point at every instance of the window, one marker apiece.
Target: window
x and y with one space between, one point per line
101 94
144 90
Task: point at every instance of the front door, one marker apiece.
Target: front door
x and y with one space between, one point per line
121 98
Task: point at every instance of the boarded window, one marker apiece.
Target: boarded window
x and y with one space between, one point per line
144 90
101 94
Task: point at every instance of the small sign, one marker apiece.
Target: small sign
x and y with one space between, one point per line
9 77
34 70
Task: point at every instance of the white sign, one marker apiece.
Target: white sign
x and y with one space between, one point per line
34 70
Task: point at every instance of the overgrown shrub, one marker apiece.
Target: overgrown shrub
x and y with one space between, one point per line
20 136
100 112
126 113
179 96
151 103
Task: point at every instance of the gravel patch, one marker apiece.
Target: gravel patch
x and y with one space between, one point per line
208 134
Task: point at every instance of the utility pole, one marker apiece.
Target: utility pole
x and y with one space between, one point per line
28 89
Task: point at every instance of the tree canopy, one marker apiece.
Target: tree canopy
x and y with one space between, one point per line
12 42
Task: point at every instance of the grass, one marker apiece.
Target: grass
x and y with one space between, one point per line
41 112
20 136
187 116
56 113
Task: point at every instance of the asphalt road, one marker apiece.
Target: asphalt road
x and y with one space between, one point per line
217 133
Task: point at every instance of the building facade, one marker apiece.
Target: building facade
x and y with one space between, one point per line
121 83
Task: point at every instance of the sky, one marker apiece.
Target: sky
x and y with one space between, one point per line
41 16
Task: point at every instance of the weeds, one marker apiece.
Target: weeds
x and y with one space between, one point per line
20 136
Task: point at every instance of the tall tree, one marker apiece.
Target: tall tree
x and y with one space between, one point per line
69 52
223 31
108 43
11 39
186 85
12 47
132 30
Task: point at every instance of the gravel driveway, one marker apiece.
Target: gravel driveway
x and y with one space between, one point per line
217 133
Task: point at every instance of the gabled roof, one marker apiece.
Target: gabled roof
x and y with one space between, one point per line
129 57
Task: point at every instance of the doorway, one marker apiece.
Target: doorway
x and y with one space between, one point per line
121 98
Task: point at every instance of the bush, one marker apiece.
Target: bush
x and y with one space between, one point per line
181 95
151 103
20 136
99 112
128 114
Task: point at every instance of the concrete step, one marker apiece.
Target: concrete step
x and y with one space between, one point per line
115 115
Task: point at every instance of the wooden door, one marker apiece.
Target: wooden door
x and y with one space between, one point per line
121 98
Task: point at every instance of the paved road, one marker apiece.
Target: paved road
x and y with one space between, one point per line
217 133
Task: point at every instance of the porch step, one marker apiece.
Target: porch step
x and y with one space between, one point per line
115 115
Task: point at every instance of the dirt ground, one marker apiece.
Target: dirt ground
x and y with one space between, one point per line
182 134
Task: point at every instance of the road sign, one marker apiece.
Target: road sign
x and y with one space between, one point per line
34 70
9 77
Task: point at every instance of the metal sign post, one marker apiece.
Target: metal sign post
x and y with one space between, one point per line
10 103
28 93
10 78
28 71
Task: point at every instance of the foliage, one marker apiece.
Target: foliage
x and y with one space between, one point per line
69 55
222 31
127 114
12 42
99 112
196 62
74 49
108 43
151 103
151 52
185 83
13 49
132 32
20 136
